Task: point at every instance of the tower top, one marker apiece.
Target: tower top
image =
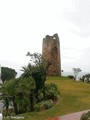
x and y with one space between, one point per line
54 37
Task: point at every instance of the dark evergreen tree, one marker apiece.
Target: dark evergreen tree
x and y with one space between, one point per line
7 73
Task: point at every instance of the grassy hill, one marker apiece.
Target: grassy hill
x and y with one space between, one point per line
74 97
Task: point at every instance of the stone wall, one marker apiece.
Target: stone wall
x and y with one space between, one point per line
51 52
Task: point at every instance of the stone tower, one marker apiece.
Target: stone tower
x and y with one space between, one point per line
51 52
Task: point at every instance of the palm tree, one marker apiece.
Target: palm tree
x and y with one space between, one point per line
26 71
20 92
26 89
37 68
9 94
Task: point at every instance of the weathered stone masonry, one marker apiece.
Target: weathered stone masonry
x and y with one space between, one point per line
51 52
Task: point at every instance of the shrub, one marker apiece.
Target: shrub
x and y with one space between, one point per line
51 91
48 104
22 104
51 94
40 95
43 105
71 76
85 116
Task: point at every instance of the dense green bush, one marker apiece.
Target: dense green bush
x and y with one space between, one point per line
43 105
85 116
22 94
51 94
51 91
19 92
22 104
40 95
71 76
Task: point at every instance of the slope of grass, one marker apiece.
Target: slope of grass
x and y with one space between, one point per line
74 97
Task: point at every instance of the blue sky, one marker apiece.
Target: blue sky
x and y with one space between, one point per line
24 24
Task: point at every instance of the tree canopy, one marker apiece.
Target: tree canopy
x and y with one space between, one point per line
7 73
76 71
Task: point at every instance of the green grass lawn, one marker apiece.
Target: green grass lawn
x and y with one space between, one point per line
74 97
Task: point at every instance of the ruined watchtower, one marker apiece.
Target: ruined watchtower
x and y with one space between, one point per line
51 52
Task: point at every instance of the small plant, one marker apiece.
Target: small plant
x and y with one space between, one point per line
85 116
51 91
43 105
71 76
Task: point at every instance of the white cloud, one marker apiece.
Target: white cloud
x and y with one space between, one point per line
80 17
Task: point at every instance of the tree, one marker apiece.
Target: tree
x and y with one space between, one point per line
25 90
19 92
7 73
76 72
37 68
9 94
